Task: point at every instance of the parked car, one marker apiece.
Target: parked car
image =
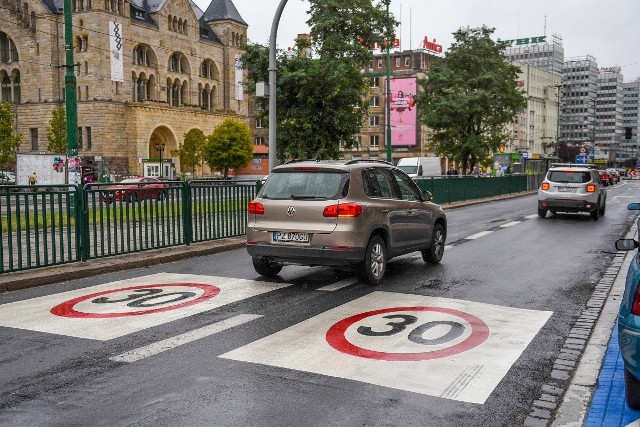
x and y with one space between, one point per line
353 215
629 321
134 189
572 188
7 178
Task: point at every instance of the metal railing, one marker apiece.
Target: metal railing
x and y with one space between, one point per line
46 225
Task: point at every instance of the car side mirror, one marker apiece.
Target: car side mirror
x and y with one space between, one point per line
626 244
427 195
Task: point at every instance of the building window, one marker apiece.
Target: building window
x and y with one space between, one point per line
88 133
34 139
379 62
260 140
374 101
79 138
407 61
374 121
398 62
375 82
374 141
259 124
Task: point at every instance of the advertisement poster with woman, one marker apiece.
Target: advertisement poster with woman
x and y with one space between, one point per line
403 112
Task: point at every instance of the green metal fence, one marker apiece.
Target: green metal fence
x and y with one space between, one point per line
455 189
48 225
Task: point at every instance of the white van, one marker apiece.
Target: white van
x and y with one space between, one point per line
417 167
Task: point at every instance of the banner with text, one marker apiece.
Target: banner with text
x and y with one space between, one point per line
403 112
116 42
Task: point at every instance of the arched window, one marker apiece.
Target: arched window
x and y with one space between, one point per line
10 87
8 51
33 22
169 21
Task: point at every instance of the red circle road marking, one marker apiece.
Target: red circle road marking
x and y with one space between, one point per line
337 339
66 309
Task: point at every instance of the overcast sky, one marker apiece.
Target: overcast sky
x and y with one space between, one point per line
607 30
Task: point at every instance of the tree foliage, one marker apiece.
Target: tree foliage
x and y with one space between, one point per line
321 97
190 151
9 139
469 97
229 146
57 132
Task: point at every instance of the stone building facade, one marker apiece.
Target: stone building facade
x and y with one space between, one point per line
179 68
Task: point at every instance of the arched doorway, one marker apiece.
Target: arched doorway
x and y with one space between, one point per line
162 159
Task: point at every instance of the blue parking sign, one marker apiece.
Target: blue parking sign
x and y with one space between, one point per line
581 159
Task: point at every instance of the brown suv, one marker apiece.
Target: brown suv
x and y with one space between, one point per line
353 215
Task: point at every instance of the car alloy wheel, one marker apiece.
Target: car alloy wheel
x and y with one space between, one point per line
433 254
375 261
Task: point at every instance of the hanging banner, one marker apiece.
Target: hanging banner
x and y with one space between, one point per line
116 42
239 80
403 112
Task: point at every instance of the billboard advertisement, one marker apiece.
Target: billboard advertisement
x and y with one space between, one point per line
403 112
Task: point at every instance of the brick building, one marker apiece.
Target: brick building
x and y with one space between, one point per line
178 72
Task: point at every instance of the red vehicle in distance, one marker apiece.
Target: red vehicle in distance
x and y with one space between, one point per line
135 189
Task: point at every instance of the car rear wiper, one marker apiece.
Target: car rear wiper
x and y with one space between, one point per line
296 197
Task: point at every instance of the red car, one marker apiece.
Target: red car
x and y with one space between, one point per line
605 178
134 189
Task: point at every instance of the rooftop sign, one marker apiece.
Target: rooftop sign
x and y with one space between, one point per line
523 41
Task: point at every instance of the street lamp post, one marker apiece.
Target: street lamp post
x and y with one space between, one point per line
388 88
160 148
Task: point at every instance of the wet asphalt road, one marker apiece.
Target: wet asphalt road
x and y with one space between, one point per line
501 255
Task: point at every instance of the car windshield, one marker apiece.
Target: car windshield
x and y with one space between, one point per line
569 177
305 185
130 180
412 169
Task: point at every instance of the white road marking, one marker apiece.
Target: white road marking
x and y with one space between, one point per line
478 235
173 342
531 216
35 314
510 224
428 334
340 284
447 247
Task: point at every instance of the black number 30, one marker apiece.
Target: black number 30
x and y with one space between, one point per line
416 335
143 296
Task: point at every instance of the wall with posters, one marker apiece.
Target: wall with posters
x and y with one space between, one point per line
403 112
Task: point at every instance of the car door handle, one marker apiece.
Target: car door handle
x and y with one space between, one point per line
384 210
411 211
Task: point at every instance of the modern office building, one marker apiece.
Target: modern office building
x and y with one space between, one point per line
609 114
536 51
578 102
147 73
630 122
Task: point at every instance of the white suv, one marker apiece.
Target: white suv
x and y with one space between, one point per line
572 188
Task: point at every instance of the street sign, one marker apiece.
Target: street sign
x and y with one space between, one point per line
581 159
393 340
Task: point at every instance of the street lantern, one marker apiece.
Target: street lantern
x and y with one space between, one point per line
160 149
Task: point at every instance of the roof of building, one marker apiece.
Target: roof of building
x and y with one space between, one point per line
219 10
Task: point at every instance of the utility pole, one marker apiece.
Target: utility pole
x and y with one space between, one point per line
71 100
273 67
388 87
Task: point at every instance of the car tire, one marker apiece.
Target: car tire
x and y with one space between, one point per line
266 268
595 214
631 390
132 198
433 254
162 195
372 269
542 212
603 208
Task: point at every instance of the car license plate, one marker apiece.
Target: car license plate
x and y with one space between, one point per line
567 189
281 236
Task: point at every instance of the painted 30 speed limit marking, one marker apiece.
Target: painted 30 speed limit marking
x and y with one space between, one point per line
435 346
122 307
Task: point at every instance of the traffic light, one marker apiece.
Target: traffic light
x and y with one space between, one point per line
628 133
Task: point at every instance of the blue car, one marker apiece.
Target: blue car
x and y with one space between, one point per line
629 321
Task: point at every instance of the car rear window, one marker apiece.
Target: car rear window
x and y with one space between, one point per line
306 185
569 177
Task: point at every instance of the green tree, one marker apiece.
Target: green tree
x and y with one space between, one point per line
229 146
9 139
322 97
469 97
57 132
191 149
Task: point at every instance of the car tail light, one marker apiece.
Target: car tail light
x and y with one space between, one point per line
635 307
256 208
545 186
591 188
343 210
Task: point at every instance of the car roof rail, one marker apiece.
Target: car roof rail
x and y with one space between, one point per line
354 161
574 165
301 160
